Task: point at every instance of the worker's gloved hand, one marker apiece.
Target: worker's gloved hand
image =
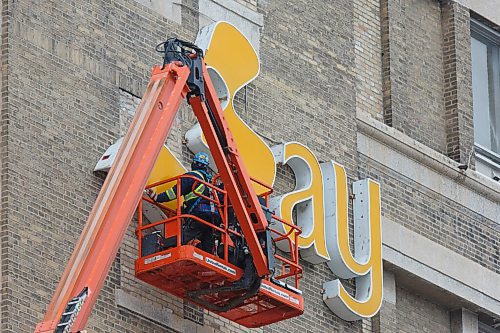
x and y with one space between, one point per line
151 193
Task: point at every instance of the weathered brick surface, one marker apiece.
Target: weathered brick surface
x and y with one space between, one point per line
66 61
71 69
457 81
426 69
385 37
307 76
368 62
434 216
415 84
412 314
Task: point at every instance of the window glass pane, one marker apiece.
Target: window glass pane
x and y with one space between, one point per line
480 91
494 83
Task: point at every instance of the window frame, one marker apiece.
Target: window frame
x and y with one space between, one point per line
489 157
487 328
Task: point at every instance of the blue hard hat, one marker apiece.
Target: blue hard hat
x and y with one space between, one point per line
201 158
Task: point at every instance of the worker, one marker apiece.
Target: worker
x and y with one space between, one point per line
194 232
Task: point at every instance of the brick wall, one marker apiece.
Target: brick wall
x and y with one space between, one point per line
413 70
457 81
434 216
385 37
70 71
309 77
66 62
410 314
368 60
427 70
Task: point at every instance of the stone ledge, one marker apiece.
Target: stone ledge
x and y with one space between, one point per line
427 167
169 9
486 8
248 21
242 11
431 262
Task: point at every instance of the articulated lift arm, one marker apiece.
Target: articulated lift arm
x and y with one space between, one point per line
183 74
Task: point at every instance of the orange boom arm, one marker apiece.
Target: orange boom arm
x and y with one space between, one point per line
182 74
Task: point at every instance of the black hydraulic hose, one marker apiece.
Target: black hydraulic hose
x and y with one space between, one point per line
220 135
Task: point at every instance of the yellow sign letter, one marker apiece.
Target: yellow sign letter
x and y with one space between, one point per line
307 198
366 265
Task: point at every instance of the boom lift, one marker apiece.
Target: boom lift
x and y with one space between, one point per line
210 280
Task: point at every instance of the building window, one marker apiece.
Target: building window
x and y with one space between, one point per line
485 46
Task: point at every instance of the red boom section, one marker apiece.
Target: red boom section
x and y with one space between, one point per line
232 171
117 200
